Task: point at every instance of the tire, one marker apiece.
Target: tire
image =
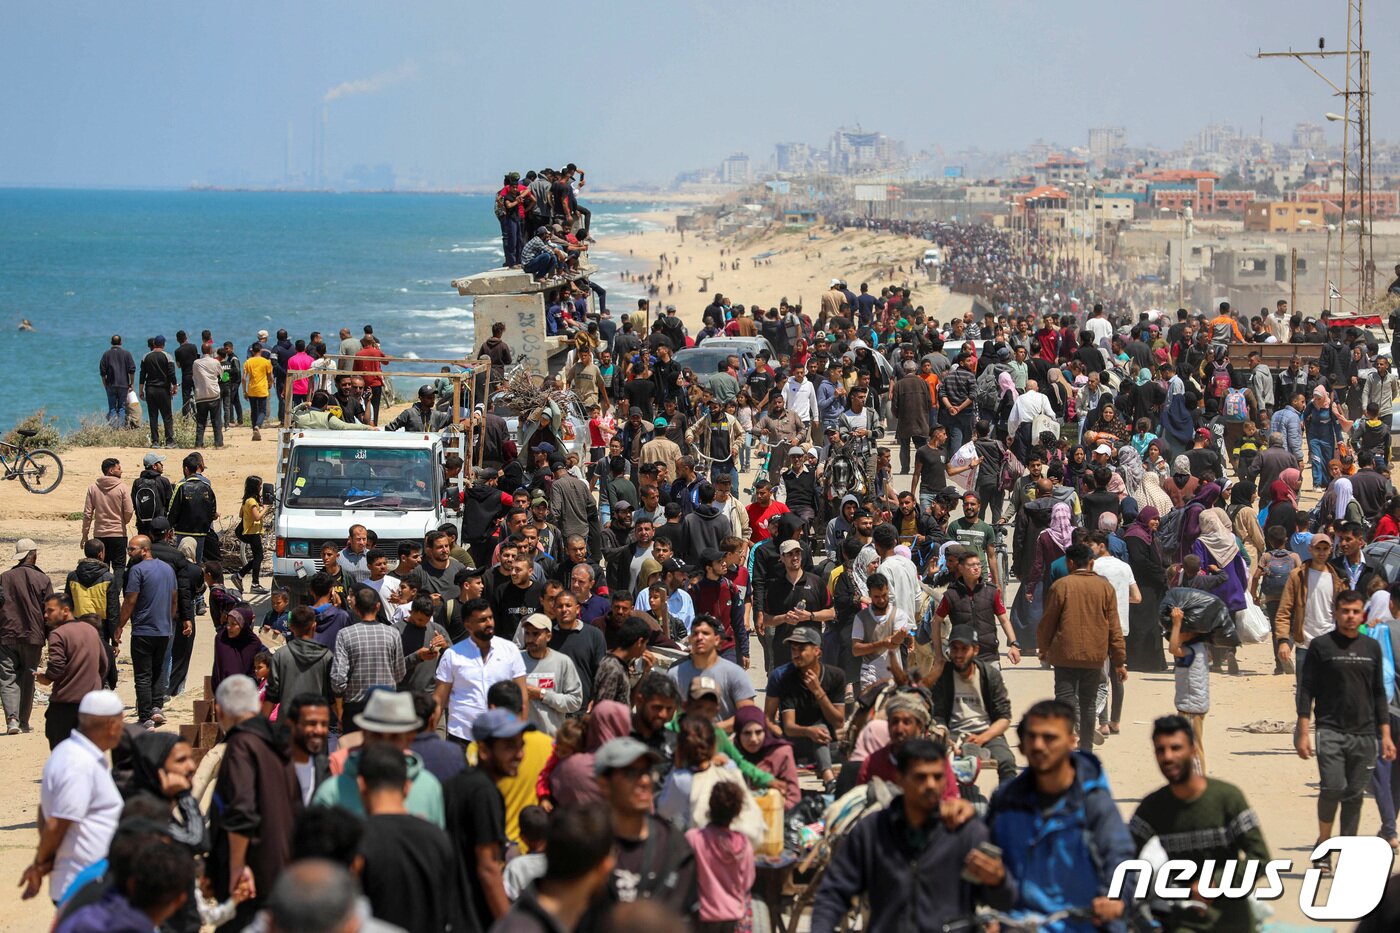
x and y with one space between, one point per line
40 471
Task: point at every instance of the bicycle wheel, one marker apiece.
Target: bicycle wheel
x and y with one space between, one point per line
40 471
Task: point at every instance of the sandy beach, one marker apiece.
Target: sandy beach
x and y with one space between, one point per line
1281 787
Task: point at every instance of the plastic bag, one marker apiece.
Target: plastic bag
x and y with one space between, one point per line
1205 614
1251 623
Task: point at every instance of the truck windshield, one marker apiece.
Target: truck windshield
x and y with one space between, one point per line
368 477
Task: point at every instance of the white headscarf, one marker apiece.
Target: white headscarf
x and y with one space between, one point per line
1341 486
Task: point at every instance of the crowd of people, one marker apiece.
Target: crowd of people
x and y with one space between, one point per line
544 715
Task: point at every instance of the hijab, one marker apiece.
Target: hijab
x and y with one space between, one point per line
1279 491
1141 529
1130 463
1177 423
1153 495
149 753
1218 537
1007 383
746 716
1074 472
573 780
1341 487
1061 528
1144 376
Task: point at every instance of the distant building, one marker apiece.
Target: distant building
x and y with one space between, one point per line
1384 204
1106 141
792 158
1061 170
735 170
1309 136
1284 217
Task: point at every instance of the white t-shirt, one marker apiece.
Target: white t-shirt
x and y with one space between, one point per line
1317 610
77 785
471 676
868 627
387 587
970 715
1101 328
1120 576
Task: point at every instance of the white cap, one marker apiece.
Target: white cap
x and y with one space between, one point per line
789 545
834 283
1104 449
24 545
101 703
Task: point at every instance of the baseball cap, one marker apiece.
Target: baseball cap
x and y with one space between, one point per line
537 497
1103 449
621 752
499 724
1203 432
672 565
151 460
659 422
24 545
538 620
622 505
544 447
468 573
804 635
160 524
709 555
963 633
834 283
789 546
704 687
425 391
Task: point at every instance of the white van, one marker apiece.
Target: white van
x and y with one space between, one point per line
933 257
327 481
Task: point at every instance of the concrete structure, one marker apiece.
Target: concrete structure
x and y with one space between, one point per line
517 300
1061 170
1106 141
735 170
1284 217
1383 203
1114 207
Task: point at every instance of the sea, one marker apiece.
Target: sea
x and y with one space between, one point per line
81 266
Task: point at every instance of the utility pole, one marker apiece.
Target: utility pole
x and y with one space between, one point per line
1355 254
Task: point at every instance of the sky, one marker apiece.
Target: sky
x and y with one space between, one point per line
159 94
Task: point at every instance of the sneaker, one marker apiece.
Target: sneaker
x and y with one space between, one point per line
1289 666
200 606
1098 737
149 725
157 716
12 728
237 580
259 589
257 435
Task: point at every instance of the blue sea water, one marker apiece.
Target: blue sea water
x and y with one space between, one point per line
83 265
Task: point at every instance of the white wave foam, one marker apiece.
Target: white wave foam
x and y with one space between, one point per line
439 314
475 249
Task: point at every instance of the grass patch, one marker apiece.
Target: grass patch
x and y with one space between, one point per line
47 426
94 431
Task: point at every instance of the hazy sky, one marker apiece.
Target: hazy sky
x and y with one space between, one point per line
456 92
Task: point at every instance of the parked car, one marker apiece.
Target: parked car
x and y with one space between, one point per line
704 360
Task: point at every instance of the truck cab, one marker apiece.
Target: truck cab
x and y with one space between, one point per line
391 482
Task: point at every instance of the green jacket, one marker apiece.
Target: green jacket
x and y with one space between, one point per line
424 792
751 772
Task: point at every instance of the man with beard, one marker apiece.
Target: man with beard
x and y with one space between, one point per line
970 698
469 668
1199 820
309 715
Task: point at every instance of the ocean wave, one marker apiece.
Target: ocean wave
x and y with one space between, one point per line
438 314
494 248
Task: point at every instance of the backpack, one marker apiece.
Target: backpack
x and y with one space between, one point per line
1277 566
501 209
146 501
1219 381
1011 470
988 393
1236 407
1169 531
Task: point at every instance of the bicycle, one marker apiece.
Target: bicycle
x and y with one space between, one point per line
1006 923
38 470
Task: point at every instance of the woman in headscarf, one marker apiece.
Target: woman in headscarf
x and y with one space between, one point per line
1219 551
1106 427
1075 466
1154 458
1006 398
1324 423
1340 505
1205 498
761 748
162 768
1154 495
1244 517
1178 424
1181 485
573 780
1130 468
235 646
1283 503
1050 546
1144 630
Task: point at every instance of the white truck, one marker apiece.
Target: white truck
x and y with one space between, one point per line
392 482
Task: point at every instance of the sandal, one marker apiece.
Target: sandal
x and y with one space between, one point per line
1114 728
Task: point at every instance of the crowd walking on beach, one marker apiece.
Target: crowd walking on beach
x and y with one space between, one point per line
545 715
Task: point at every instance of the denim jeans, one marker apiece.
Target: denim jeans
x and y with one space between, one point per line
257 410
1320 452
543 264
725 469
510 238
1385 784
116 404
148 668
1079 687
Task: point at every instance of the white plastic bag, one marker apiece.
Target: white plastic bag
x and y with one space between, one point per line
1251 624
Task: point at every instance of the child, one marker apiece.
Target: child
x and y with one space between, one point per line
1143 436
1271 574
1301 541
221 598
724 862
275 619
567 741
1247 449
524 870
401 601
262 669
423 642
1192 671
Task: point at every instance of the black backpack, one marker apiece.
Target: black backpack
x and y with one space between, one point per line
146 500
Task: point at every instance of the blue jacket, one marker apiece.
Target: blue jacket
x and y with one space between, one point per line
1065 858
829 407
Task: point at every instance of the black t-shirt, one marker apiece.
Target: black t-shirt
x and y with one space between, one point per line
1203 459
476 816
760 383
933 468
585 646
409 873
641 395
659 868
1095 504
792 694
185 355
783 595
510 604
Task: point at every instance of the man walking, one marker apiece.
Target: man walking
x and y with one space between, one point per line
193 506
1078 633
150 607
107 510
257 385
22 636
1341 681
910 402
77 666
